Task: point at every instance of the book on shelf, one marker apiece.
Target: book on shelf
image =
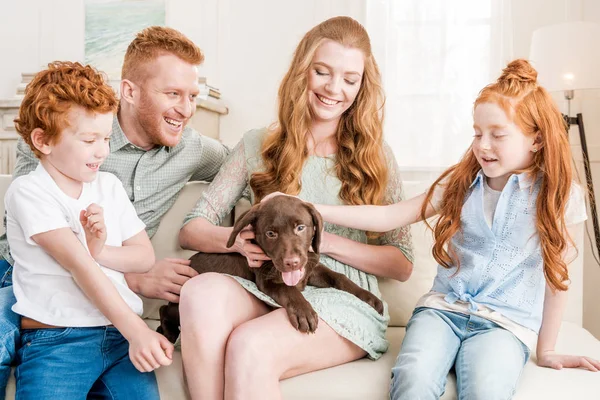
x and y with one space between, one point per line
206 90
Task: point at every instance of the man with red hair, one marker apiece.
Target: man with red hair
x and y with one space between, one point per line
152 152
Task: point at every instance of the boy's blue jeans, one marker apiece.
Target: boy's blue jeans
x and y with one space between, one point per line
488 359
66 363
79 363
9 326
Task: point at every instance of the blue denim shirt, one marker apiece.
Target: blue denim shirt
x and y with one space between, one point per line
500 267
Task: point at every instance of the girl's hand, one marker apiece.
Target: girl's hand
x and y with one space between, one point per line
148 350
92 220
254 254
550 359
271 195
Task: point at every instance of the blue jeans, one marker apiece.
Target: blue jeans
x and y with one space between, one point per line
9 326
79 363
487 358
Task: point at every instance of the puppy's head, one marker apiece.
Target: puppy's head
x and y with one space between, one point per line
285 228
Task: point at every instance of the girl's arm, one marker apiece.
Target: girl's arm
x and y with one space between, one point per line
377 218
148 349
554 306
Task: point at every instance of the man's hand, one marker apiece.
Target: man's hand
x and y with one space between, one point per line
163 281
254 254
92 220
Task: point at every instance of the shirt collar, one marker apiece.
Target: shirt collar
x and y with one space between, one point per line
118 140
524 179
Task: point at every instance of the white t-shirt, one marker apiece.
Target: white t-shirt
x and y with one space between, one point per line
575 213
45 291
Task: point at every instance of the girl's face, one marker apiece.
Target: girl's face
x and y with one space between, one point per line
334 80
499 145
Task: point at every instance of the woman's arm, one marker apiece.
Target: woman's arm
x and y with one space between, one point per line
201 231
554 306
202 235
386 261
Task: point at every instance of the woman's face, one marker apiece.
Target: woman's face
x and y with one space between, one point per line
334 80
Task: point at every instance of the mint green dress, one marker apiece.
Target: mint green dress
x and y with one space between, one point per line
350 317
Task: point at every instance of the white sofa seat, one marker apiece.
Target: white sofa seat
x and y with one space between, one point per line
365 379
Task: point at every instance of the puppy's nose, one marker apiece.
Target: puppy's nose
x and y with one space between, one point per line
291 262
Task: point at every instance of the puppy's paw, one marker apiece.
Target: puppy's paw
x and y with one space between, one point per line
371 300
303 318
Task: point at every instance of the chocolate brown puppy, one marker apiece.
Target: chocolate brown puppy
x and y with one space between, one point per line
286 228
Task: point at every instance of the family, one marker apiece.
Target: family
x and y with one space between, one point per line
96 173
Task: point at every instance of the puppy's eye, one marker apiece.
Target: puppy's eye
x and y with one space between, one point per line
300 228
271 234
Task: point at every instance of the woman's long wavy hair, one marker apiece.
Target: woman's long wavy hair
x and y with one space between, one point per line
532 109
361 164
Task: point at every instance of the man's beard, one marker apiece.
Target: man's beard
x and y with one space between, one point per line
152 126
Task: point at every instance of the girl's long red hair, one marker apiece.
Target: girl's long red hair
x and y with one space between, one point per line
531 107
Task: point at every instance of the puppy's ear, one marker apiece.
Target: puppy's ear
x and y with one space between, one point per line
318 224
247 218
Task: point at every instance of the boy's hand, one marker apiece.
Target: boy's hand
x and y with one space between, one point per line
92 220
550 359
148 350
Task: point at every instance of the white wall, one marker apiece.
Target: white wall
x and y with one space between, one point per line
248 46
35 32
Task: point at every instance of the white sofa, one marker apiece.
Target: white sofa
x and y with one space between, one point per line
365 379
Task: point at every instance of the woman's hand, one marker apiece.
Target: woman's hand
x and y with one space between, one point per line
244 245
550 359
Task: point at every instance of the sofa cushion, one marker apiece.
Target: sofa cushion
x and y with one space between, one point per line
369 380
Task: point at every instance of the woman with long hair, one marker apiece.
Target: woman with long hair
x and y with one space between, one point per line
326 147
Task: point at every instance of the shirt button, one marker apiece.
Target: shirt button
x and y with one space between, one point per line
138 188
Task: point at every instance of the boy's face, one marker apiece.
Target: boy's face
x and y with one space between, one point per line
167 99
80 149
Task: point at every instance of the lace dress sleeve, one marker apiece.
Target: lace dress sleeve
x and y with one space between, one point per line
226 189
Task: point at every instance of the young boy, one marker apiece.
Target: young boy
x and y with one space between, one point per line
73 233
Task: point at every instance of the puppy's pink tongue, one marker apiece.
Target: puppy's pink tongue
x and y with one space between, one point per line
292 278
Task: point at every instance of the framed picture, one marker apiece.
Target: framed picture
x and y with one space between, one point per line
110 25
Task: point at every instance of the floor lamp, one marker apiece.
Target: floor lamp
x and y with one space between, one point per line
567 59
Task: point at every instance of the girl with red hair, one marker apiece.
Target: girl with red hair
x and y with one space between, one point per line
502 242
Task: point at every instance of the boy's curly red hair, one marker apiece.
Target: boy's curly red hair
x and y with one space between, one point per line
54 91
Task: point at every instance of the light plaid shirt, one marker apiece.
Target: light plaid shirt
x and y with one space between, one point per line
152 178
